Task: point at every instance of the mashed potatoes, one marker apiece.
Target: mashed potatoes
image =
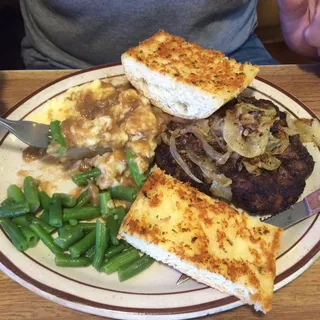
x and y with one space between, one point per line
100 116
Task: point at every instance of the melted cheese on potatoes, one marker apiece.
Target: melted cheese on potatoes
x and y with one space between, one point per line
100 116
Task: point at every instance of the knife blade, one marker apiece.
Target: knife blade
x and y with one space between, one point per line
300 211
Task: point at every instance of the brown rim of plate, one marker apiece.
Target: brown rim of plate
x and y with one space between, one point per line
156 311
200 307
157 293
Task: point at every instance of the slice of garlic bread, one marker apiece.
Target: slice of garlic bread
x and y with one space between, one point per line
182 78
204 238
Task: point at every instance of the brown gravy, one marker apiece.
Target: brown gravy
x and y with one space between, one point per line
90 107
117 118
31 154
121 104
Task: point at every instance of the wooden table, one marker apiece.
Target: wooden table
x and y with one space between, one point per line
298 300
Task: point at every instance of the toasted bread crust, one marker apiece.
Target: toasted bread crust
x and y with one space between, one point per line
206 69
206 233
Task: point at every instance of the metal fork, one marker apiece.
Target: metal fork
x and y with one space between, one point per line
183 278
32 133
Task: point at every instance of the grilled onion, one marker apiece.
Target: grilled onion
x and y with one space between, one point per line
219 140
165 138
203 125
205 164
216 124
212 153
265 161
224 158
308 129
246 129
221 186
175 154
278 143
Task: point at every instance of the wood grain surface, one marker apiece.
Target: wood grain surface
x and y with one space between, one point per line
298 300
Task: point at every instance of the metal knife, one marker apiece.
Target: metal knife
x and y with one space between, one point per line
300 211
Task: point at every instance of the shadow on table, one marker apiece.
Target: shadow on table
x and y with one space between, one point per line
311 68
2 85
3 106
11 34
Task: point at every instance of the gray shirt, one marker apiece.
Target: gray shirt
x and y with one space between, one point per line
83 33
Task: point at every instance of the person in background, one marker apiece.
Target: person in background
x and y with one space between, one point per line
300 22
81 34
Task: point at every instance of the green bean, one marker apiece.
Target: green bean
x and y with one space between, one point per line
87 226
83 199
81 179
45 216
81 182
47 227
55 212
15 193
101 244
114 250
23 221
31 237
14 210
7 202
69 238
128 271
90 253
15 234
120 260
44 200
119 214
31 193
83 213
45 238
65 229
73 222
65 260
113 228
138 177
127 245
105 203
83 245
123 193
57 136
66 200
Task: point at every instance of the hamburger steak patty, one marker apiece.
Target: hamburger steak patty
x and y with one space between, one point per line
270 192
273 191
165 161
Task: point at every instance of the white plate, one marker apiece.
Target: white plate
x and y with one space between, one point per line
153 294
